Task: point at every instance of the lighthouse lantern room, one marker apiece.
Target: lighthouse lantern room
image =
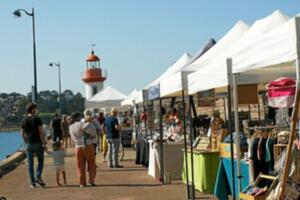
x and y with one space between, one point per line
93 76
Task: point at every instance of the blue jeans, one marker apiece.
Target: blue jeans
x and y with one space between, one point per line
113 149
38 150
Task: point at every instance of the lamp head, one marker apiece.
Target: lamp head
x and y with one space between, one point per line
51 64
17 13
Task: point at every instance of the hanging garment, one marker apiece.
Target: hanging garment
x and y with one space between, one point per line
281 92
270 154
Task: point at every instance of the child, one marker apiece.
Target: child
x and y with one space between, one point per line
59 155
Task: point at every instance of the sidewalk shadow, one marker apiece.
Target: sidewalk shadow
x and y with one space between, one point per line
104 185
122 170
67 186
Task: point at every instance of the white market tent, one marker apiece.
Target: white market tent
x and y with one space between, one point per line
281 50
108 97
138 97
214 74
181 62
129 100
185 60
173 85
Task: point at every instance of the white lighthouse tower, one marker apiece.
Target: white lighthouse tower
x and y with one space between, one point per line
93 76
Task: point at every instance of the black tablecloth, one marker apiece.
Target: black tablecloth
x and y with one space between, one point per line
142 153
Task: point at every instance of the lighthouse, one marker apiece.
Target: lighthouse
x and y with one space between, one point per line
93 76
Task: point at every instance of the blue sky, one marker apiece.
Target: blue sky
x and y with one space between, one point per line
136 39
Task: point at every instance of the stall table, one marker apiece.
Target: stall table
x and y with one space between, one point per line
205 170
172 159
223 185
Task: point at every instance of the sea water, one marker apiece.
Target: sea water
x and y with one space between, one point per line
10 142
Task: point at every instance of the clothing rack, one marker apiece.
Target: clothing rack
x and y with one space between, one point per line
266 127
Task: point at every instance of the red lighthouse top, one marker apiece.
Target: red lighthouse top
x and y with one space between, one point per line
93 72
92 57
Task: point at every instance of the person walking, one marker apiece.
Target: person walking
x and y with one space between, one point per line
90 140
55 127
65 131
97 125
101 120
83 149
113 137
34 138
102 140
58 154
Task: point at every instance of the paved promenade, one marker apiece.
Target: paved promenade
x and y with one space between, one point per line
130 183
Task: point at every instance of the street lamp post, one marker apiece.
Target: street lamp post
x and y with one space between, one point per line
52 64
17 13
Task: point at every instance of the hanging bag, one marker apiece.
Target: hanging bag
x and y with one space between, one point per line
281 92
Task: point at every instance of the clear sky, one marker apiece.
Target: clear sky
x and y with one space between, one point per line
136 39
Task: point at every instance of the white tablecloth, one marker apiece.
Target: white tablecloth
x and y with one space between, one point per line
172 159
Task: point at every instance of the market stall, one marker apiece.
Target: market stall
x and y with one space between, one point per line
201 80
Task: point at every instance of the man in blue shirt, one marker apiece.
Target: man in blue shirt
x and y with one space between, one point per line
113 137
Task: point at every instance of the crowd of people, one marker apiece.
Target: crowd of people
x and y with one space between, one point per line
87 135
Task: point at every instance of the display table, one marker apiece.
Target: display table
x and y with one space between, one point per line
205 170
172 159
223 186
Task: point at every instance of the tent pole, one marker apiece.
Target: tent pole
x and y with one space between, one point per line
191 145
249 107
185 146
145 118
224 103
161 145
258 108
237 131
229 77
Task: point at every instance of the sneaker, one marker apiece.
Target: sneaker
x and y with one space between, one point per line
93 184
40 182
83 185
32 185
110 166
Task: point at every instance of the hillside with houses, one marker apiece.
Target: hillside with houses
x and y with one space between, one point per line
13 106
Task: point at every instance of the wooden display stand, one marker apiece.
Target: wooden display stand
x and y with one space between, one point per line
274 179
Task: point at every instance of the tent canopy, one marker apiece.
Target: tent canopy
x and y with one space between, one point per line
214 74
108 97
182 60
129 100
172 85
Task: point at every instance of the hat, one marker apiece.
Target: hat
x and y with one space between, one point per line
114 110
88 113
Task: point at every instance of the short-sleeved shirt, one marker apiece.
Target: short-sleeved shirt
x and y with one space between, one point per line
58 158
76 134
110 126
30 125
